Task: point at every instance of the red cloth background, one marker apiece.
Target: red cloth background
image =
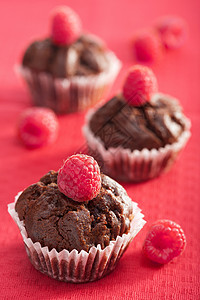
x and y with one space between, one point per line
174 195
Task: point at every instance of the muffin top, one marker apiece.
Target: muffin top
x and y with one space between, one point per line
151 125
85 56
59 222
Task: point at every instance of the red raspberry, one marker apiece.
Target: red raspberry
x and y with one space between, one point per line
65 26
147 46
140 85
164 241
173 31
37 127
79 178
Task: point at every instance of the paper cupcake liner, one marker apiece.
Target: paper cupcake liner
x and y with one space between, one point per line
126 165
70 94
73 266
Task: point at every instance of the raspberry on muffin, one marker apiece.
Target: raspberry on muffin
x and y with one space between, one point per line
79 178
66 26
139 86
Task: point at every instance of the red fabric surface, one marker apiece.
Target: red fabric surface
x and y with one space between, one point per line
174 195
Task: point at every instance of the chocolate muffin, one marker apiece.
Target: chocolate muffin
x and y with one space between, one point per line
56 221
76 240
69 70
137 134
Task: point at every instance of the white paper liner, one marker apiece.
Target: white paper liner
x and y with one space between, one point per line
70 94
73 266
126 165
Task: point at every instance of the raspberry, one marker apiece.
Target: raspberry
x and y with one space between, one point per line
140 85
37 127
164 241
79 178
173 31
147 46
65 26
